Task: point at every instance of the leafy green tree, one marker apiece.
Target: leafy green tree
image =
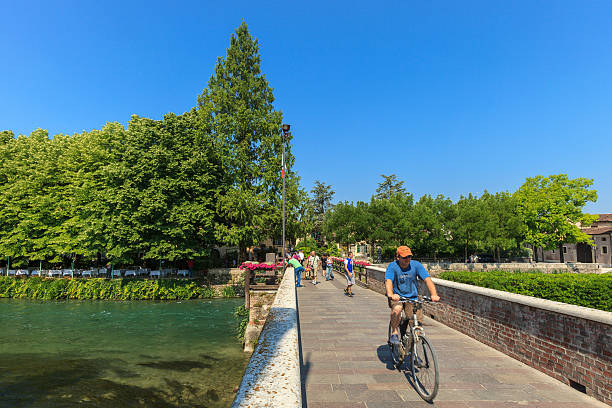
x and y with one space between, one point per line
339 224
163 203
31 204
430 220
550 209
321 196
502 226
469 225
388 223
236 108
160 189
389 187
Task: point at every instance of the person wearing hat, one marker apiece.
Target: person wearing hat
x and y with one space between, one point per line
401 281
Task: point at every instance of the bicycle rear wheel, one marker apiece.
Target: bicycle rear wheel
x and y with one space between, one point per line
424 367
397 355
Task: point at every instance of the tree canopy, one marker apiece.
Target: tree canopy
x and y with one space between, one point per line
544 212
237 109
167 189
550 209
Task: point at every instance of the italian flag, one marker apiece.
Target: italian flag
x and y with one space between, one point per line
283 167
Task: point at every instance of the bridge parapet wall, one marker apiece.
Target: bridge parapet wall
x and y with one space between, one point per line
272 378
545 267
570 343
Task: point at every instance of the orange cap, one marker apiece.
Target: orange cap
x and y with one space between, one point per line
403 251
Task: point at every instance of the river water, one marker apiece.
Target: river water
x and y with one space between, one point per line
119 354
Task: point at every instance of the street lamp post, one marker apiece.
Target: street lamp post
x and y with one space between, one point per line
286 134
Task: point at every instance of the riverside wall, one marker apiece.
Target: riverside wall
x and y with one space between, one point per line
570 343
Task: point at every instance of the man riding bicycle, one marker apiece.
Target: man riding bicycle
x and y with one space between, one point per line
401 281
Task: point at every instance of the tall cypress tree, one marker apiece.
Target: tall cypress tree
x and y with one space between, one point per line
236 108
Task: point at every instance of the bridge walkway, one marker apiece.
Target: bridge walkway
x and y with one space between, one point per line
345 361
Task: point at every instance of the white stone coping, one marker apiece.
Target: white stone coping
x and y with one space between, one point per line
272 378
587 313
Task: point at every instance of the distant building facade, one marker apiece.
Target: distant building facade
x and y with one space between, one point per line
600 232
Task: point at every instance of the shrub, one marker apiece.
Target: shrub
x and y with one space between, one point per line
228 291
117 289
242 316
588 290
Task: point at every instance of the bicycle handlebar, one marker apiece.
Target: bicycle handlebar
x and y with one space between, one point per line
421 299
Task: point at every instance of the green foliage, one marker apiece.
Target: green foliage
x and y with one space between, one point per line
332 249
167 189
544 212
228 292
588 290
389 187
308 245
550 207
116 289
163 202
320 203
431 219
236 108
242 316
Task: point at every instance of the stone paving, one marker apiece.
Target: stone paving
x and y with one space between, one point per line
346 361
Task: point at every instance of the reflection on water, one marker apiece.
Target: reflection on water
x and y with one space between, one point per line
119 354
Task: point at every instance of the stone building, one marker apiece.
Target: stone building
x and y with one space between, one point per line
601 233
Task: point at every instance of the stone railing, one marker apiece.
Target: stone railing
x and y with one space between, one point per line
570 343
272 378
545 267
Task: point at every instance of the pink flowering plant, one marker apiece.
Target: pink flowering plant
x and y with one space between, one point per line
251 266
339 263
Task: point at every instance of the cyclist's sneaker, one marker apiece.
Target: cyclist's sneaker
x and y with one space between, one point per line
350 295
394 340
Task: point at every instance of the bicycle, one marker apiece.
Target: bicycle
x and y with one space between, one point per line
422 357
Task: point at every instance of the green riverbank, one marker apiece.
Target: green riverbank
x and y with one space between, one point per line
113 289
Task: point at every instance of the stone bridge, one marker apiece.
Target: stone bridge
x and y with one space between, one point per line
340 346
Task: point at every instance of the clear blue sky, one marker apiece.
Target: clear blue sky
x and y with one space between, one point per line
452 96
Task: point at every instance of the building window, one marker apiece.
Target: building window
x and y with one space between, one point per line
603 239
604 249
565 250
278 241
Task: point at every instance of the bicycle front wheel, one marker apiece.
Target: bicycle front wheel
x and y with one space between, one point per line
424 367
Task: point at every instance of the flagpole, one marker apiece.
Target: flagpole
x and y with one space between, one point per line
285 133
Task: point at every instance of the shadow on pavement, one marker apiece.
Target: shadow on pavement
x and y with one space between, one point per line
384 355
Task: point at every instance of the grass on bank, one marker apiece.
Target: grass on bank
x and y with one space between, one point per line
588 290
114 289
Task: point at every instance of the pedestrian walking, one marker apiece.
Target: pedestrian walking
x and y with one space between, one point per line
329 264
350 276
313 263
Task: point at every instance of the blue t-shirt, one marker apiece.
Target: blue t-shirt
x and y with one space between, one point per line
405 280
349 264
